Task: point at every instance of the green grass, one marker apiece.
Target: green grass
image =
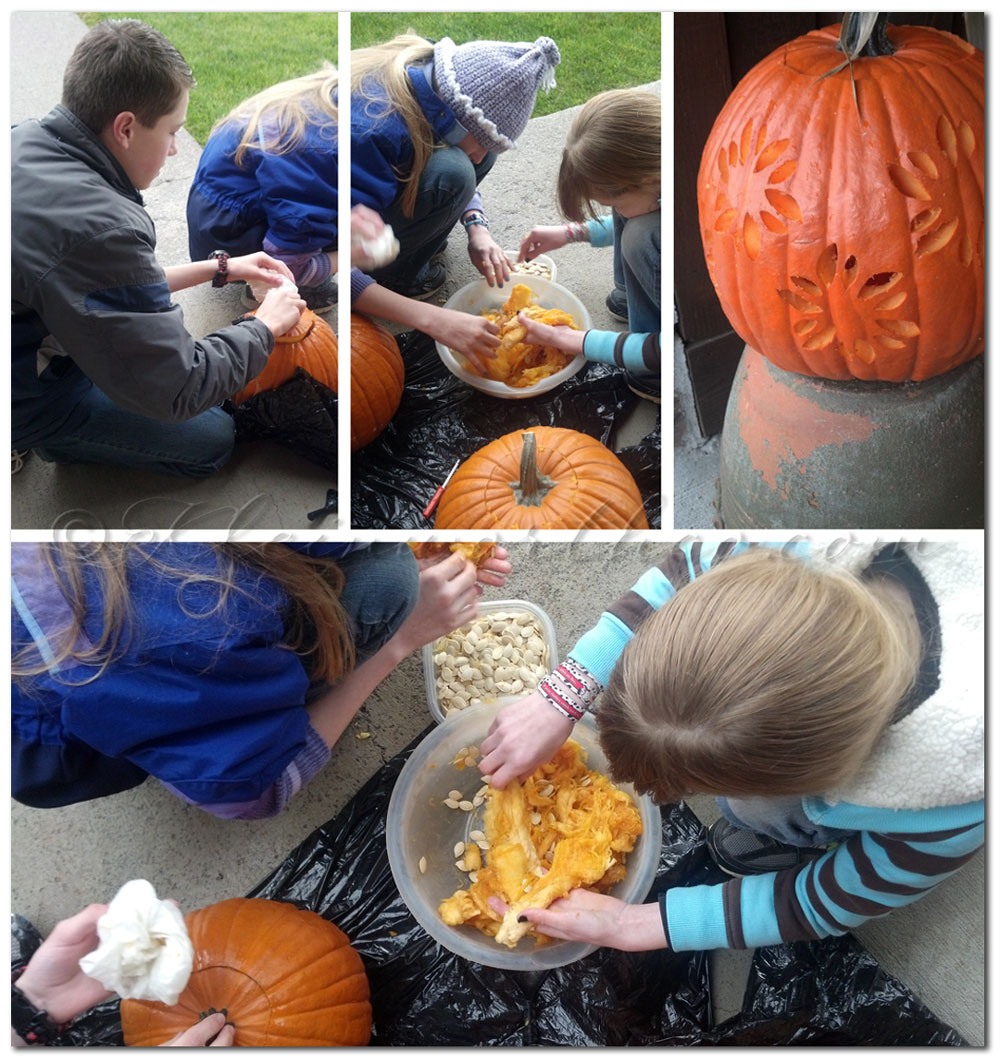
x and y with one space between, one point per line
598 51
235 54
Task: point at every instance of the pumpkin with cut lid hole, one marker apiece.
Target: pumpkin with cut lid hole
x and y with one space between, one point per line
282 975
841 205
311 344
542 477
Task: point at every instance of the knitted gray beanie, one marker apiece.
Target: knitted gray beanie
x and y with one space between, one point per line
491 85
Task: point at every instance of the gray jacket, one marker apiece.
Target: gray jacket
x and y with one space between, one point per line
90 303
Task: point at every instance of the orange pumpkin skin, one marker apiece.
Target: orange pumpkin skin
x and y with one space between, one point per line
593 488
312 344
376 380
846 247
286 977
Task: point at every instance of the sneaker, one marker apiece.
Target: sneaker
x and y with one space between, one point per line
646 385
739 852
617 304
431 279
247 298
17 460
320 297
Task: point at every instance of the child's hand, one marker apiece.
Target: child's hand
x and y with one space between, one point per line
541 239
586 916
561 336
488 257
259 269
468 334
448 597
524 735
213 1030
281 309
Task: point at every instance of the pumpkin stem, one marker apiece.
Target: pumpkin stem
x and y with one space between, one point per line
533 484
863 34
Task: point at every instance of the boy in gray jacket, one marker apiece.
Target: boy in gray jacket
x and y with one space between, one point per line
103 368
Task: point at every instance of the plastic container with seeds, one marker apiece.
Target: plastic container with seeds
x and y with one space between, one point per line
421 824
502 654
540 266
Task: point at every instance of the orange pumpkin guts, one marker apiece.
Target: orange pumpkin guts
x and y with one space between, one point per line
312 344
842 217
284 976
477 553
376 380
542 477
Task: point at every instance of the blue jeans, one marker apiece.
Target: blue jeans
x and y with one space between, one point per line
443 192
382 586
778 818
637 268
113 436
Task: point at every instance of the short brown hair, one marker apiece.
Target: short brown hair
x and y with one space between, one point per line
124 65
613 146
766 676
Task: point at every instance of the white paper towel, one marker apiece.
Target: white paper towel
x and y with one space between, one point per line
144 950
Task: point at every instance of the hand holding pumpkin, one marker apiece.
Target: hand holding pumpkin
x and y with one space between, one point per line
524 735
259 268
212 1031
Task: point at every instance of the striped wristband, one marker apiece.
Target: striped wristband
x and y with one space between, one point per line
570 688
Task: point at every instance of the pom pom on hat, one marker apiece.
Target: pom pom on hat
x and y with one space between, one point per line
491 85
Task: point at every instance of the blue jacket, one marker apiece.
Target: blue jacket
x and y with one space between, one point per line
288 199
206 701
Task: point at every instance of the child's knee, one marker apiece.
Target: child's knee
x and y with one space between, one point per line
640 239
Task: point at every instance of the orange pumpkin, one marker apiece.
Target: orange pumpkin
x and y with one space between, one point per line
842 217
376 380
542 477
284 976
312 344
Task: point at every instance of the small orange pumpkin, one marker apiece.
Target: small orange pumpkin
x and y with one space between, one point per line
312 344
542 477
376 380
284 977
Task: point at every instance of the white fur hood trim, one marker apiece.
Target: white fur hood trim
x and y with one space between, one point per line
936 755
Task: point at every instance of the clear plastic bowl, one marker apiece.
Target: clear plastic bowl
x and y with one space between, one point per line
478 296
487 607
418 825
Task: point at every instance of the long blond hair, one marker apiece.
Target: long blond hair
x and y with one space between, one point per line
613 147
379 78
766 676
276 119
316 625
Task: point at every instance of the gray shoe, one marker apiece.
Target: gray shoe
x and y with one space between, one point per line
320 297
617 304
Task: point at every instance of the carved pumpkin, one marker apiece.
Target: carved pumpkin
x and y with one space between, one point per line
284 976
312 344
542 477
845 236
376 380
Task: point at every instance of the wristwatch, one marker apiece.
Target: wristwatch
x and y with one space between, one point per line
32 1023
222 273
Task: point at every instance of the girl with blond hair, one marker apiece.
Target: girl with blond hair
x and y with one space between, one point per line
427 122
226 671
267 179
612 159
834 697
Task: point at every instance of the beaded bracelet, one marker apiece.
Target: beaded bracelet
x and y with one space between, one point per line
576 233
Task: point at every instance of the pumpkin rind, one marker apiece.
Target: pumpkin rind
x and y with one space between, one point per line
593 488
285 976
377 376
843 246
312 344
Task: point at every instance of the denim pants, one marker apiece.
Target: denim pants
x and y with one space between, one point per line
778 818
113 436
637 268
446 185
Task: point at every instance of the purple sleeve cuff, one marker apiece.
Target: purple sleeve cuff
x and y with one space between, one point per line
359 282
297 773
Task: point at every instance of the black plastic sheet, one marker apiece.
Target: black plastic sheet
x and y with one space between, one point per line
440 418
300 414
830 992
